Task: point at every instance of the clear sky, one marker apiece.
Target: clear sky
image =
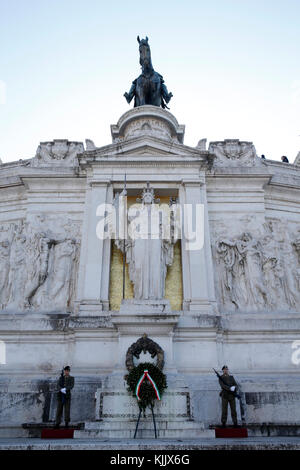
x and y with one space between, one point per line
232 65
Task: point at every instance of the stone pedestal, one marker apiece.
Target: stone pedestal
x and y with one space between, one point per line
145 306
117 413
125 429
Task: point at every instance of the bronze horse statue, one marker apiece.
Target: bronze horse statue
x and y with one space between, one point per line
149 87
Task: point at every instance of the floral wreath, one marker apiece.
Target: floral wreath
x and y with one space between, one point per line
147 383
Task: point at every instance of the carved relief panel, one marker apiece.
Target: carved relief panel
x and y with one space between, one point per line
258 270
39 263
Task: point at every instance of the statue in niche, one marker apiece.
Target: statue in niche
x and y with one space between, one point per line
149 246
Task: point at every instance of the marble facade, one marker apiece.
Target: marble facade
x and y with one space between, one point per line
239 292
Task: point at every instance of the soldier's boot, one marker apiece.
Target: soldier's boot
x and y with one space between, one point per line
66 424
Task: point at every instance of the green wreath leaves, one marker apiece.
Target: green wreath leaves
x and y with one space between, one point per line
147 392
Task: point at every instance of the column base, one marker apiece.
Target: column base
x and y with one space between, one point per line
91 308
201 306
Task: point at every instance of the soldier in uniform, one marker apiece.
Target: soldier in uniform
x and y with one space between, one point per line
227 394
65 385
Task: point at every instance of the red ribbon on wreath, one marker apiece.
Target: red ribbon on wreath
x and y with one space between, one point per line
146 375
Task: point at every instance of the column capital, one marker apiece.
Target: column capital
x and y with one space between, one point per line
99 183
200 181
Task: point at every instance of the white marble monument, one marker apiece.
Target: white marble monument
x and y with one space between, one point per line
231 297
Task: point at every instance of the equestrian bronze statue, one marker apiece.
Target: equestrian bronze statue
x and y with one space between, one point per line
149 87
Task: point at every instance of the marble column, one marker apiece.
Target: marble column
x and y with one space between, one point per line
198 284
93 285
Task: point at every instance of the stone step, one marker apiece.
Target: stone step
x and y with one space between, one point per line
126 429
114 424
143 434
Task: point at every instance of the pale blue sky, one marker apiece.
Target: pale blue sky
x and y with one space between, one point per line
233 68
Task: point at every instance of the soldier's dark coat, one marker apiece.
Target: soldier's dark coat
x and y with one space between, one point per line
64 400
228 398
226 393
68 385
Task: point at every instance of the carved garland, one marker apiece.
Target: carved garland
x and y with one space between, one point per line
144 344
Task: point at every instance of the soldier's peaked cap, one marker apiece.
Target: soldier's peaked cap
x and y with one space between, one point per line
224 367
67 368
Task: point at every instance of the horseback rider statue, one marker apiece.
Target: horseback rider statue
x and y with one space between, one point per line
149 87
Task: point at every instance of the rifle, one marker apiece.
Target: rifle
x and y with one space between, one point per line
235 394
